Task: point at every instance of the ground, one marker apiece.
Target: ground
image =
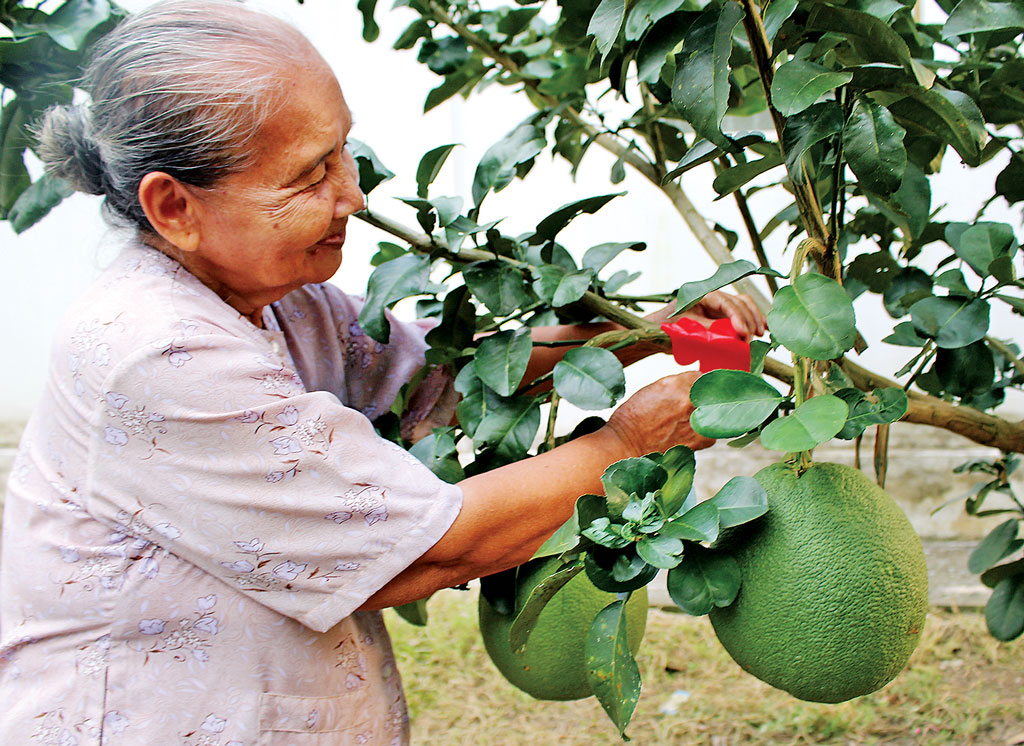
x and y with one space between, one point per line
961 688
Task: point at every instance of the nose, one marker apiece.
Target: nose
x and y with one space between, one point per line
350 198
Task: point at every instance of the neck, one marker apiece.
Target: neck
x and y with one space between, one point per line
247 308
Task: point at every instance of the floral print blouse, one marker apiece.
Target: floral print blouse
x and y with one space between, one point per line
196 511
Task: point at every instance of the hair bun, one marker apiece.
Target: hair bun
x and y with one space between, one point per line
68 150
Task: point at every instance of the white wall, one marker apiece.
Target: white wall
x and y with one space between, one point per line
44 268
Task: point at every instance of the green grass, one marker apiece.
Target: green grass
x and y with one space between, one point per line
960 688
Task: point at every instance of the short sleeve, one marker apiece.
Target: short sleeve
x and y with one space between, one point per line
220 455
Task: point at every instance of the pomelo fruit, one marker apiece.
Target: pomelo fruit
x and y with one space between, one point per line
552 665
834 587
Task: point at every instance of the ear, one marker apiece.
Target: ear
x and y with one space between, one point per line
172 209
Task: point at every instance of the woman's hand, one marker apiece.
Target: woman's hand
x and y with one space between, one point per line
657 417
746 318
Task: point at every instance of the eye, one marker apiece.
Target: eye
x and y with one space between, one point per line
318 176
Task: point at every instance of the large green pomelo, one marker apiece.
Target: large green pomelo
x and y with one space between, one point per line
834 586
552 665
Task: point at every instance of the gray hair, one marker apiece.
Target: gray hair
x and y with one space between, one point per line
180 87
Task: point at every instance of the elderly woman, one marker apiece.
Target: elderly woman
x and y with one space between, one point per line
202 524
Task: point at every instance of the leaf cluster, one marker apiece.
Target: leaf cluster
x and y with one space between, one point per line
41 56
998 558
648 520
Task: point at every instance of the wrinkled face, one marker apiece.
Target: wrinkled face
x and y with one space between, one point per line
281 223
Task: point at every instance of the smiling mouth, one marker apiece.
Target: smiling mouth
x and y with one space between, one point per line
334 239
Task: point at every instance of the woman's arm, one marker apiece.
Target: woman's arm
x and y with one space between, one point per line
507 513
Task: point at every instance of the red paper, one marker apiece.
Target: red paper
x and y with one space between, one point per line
716 348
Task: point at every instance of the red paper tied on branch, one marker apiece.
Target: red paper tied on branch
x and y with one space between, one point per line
716 348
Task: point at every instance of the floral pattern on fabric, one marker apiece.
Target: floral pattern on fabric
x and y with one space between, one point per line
198 508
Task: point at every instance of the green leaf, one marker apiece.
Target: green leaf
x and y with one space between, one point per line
645 13
680 465
706 578
611 670
800 83
728 403
903 334
453 83
875 270
775 14
741 499
499 286
908 286
951 322
700 90
438 452
597 257
978 16
508 425
736 177
550 226
33 204
874 147
1004 612
590 378
429 167
953 280
498 165
1017 304
72 23
950 115
372 172
999 544
544 591
965 371
814 422
991 578
690 293
909 208
564 539
14 139
628 477
370 28
606 23
499 590
806 129
981 244
660 551
453 335
501 360
702 152
885 405
700 523
390 282
1010 181
813 318
605 575
873 38
473 406
558 287
414 612
652 54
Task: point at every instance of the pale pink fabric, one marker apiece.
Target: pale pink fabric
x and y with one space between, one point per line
196 511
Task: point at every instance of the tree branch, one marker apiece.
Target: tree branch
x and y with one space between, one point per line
980 427
710 242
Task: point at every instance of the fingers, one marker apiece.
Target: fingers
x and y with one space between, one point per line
657 417
741 310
